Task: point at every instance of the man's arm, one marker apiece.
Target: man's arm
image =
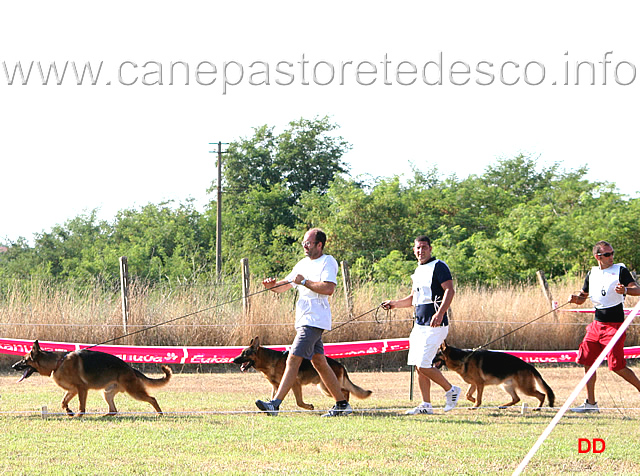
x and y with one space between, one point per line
321 287
325 288
398 303
449 292
583 294
631 289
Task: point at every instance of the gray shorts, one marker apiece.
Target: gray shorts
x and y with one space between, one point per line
308 342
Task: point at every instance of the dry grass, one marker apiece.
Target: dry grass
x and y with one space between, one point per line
215 315
211 427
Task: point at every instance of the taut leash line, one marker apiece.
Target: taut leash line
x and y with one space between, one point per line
357 317
185 315
523 325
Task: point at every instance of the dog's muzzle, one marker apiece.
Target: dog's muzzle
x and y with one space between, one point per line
438 362
22 366
244 364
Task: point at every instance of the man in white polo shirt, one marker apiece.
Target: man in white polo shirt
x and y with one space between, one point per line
315 277
431 294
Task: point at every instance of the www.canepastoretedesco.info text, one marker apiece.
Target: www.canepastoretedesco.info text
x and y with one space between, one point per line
607 69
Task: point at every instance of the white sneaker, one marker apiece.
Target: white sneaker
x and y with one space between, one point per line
269 407
586 407
452 398
339 410
423 408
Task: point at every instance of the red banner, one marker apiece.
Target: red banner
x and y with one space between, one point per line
224 355
198 355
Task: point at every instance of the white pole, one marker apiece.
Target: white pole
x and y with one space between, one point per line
577 390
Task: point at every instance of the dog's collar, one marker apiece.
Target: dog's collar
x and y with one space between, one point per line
59 362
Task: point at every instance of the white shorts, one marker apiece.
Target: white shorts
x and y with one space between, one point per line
424 342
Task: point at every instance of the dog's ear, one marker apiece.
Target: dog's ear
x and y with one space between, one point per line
255 343
36 346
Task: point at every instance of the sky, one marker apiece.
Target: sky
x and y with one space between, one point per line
453 85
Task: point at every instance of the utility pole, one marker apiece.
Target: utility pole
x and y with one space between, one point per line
219 208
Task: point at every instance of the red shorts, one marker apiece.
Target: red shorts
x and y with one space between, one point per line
599 334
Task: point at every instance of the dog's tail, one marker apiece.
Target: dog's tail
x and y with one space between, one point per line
358 392
550 395
156 382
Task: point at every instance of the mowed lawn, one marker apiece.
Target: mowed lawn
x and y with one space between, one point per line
211 426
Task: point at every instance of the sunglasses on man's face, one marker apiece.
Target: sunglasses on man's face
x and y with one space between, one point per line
606 255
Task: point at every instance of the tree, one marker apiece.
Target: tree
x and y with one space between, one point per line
163 241
360 223
76 249
265 177
304 157
259 225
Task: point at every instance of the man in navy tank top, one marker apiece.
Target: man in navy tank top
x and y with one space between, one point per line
606 285
431 295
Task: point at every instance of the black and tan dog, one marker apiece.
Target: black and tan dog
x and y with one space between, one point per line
271 363
485 367
78 372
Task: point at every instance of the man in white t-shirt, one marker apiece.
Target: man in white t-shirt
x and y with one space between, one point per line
315 277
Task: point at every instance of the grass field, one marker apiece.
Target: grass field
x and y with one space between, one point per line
211 427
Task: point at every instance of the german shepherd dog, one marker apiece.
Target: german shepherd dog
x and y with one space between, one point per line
484 367
79 371
271 363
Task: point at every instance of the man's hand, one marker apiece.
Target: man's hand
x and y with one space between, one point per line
269 282
276 286
579 298
436 320
298 279
388 304
397 303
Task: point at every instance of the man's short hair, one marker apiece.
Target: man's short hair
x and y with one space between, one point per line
424 238
597 248
320 236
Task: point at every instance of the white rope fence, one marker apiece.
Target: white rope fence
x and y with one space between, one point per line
288 324
44 412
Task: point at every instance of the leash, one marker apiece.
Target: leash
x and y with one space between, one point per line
375 309
523 325
358 317
185 315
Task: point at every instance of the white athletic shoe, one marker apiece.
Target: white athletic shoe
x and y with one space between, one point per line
269 407
423 408
586 407
339 410
452 398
